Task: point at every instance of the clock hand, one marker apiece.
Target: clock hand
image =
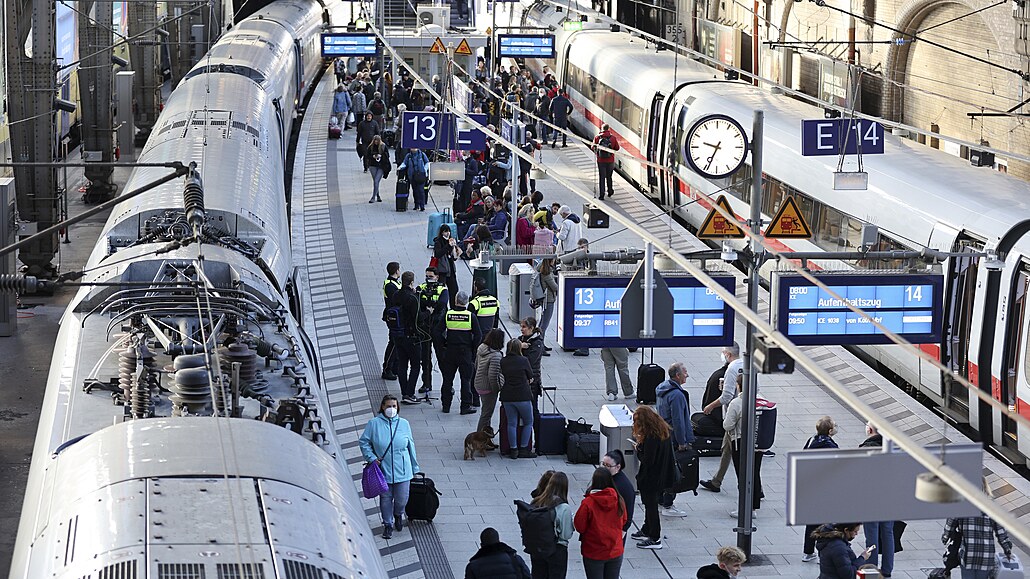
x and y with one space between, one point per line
715 152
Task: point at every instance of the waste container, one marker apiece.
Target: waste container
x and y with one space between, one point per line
485 270
617 432
520 277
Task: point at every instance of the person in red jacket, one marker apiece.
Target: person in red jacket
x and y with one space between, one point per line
605 140
599 520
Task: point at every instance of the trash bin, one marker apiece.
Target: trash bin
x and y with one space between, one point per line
520 276
616 432
486 270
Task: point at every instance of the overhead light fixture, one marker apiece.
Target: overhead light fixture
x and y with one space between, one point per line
728 253
993 262
931 489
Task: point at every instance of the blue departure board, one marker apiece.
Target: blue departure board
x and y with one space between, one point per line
591 309
525 46
348 44
907 304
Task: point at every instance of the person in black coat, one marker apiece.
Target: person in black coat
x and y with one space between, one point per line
446 250
656 473
615 462
377 162
836 559
533 348
516 400
496 560
472 169
366 130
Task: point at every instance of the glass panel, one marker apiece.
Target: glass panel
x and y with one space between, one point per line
829 229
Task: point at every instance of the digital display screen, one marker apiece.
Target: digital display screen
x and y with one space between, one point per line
348 44
525 45
907 304
591 310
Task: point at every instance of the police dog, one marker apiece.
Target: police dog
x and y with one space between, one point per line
480 442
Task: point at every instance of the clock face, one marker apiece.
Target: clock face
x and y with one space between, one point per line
716 146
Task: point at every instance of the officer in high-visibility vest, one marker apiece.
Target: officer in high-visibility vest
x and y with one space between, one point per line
391 284
485 306
462 336
432 303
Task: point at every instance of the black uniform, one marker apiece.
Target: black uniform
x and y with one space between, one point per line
390 287
462 335
407 351
432 303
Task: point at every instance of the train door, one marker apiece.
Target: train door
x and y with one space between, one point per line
299 52
1015 333
960 296
653 127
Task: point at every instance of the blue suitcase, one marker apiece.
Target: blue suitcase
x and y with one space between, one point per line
551 435
433 227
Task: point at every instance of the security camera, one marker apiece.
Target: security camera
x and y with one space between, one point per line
728 253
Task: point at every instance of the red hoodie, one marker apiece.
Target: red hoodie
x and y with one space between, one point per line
600 525
605 156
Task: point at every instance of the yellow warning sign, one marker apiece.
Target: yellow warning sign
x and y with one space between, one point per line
717 226
788 223
437 47
489 31
463 48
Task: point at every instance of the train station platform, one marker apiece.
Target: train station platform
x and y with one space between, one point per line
342 244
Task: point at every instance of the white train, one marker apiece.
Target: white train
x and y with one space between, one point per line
217 457
917 196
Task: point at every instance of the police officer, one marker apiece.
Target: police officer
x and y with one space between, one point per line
390 287
462 335
484 306
407 348
432 303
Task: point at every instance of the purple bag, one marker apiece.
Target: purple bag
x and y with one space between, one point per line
373 481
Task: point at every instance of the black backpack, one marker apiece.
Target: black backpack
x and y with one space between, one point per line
394 318
538 532
605 142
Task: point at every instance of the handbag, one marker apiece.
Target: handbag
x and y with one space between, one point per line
373 481
350 117
434 262
580 426
953 548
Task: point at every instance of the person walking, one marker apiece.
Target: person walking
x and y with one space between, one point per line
416 165
673 405
367 129
446 251
729 560
978 534
488 377
825 428
555 495
342 106
462 335
546 283
616 359
571 230
600 520
377 163
657 471
388 440
391 284
561 108
378 109
615 462
836 559
517 399
604 144
432 304
734 366
495 560
732 423
359 104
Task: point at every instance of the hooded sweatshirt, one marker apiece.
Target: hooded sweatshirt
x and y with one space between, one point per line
600 525
488 370
712 571
675 409
836 559
496 561
570 233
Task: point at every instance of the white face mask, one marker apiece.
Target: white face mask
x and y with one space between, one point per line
722 357
390 412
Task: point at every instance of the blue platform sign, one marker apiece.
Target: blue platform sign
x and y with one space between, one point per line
525 46
826 136
432 130
909 305
348 44
590 309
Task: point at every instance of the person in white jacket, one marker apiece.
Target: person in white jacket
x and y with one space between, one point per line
571 230
731 421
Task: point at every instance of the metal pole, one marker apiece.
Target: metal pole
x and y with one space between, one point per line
648 331
750 384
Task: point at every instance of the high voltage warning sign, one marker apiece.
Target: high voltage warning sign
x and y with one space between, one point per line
716 226
788 223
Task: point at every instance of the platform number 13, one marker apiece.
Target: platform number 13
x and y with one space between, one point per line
584 296
428 126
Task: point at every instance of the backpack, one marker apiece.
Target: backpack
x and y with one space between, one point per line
418 169
605 142
538 532
394 318
377 107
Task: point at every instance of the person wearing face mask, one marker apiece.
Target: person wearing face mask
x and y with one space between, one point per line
714 407
388 440
446 250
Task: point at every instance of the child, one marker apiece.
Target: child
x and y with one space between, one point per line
730 560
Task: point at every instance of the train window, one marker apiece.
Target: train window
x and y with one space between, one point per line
617 110
828 232
852 237
1014 338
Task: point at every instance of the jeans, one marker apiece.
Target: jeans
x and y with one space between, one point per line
554 567
652 526
602 569
880 534
976 574
756 497
516 411
604 176
545 318
488 402
377 176
564 138
616 358
418 191
393 501
407 354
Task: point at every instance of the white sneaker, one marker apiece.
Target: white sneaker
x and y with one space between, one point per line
673 512
611 397
733 514
809 557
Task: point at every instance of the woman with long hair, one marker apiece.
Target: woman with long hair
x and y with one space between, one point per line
377 161
555 495
656 473
516 400
488 376
388 440
599 520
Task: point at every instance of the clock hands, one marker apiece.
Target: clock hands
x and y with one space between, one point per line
715 151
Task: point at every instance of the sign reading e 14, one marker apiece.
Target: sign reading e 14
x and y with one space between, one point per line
829 136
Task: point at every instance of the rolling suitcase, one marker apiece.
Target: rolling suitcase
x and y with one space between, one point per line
505 443
765 428
551 433
690 471
708 445
401 195
390 138
423 498
649 376
335 130
433 226
705 425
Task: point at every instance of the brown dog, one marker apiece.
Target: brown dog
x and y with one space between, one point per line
479 442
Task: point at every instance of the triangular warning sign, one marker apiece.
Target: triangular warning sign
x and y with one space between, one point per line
788 223
437 47
716 226
463 48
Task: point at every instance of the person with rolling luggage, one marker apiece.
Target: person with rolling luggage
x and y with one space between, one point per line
673 405
416 166
388 440
600 520
516 403
978 557
341 106
377 163
546 525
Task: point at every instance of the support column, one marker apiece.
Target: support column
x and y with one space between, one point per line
95 78
145 60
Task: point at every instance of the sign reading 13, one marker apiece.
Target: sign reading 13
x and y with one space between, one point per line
584 296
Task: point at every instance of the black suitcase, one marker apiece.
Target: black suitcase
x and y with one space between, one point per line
690 471
402 194
423 498
705 425
649 376
708 445
551 432
584 448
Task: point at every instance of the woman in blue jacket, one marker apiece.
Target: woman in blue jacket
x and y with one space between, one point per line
388 440
836 559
